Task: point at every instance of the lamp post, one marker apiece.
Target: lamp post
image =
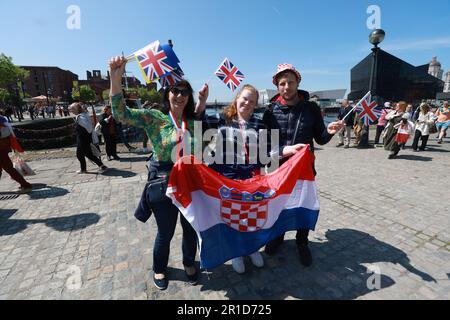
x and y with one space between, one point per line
375 38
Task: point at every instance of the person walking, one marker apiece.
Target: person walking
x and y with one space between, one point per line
7 143
84 130
424 121
393 118
109 132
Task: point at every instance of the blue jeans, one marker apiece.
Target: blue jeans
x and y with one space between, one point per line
166 215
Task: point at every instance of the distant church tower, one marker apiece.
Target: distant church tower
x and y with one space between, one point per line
447 82
435 68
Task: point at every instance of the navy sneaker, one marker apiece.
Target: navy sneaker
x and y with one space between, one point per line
161 284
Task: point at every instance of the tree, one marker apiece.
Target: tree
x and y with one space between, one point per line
105 95
5 97
10 74
149 95
85 94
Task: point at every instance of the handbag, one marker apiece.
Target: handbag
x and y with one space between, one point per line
22 167
95 151
432 128
156 189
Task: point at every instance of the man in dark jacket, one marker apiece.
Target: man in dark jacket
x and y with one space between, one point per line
298 121
346 112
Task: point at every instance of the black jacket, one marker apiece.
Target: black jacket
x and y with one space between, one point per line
284 118
350 120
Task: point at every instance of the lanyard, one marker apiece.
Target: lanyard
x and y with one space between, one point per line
244 139
180 131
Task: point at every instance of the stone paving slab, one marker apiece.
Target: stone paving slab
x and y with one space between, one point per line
75 237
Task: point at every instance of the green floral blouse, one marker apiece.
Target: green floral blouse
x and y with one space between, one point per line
160 129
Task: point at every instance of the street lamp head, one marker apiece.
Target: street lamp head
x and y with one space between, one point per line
377 36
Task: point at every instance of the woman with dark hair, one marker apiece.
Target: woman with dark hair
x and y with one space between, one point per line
109 132
166 130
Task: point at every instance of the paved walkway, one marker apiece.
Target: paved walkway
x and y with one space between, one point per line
75 237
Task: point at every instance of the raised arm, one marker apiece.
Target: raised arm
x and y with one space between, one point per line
133 117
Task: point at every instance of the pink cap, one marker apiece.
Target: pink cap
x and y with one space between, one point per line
283 67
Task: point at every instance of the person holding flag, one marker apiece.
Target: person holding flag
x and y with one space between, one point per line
238 121
166 131
299 121
8 141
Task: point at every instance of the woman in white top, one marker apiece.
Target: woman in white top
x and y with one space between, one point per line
423 123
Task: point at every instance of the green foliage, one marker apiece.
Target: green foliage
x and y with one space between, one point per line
10 73
5 97
84 94
152 96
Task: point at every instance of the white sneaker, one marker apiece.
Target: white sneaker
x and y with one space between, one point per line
238 265
257 259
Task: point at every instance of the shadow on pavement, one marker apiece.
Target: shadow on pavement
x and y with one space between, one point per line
63 224
134 159
113 172
431 149
413 157
338 271
43 191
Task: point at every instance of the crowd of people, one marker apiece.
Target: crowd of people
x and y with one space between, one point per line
399 122
34 111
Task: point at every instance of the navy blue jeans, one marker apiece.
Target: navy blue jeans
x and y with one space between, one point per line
166 215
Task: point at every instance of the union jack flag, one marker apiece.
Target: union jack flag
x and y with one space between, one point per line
154 62
368 110
173 78
229 74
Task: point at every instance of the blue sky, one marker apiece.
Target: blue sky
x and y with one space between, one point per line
323 39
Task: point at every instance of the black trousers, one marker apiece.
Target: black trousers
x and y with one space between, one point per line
111 145
378 135
417 136
84 150
301 238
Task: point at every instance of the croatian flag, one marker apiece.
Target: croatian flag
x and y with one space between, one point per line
235 218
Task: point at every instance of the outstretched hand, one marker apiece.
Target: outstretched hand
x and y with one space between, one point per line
202 97
291 150
335 127
116 71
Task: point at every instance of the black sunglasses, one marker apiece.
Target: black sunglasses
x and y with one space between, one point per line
183 92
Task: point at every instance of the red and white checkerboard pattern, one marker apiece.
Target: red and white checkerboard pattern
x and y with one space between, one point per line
243 216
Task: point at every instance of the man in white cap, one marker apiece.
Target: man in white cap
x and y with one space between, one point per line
299 121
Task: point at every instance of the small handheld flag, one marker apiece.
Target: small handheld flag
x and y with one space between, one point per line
229 74
155 62
368 110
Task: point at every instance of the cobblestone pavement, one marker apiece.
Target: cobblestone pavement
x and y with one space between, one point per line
75 237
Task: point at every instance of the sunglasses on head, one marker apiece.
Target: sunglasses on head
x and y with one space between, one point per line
183 92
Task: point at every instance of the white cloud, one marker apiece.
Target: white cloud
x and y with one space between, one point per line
418 44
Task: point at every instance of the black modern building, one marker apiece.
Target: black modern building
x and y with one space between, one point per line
397 80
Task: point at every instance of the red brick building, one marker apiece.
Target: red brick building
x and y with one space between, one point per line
49 81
